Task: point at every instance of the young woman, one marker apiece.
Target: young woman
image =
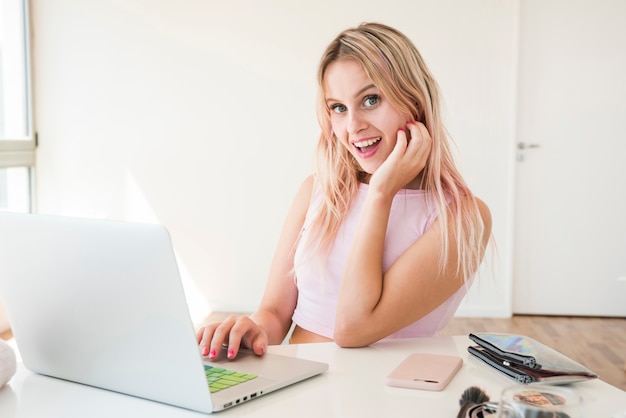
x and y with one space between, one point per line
384 239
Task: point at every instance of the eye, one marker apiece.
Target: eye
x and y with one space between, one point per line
371 100
338 108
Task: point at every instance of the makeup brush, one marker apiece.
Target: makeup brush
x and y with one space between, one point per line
471 397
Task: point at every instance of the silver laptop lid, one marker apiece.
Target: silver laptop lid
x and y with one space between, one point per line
95 302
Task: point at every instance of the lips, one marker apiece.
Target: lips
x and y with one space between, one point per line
366 147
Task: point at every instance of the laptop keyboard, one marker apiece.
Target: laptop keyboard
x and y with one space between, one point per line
220 378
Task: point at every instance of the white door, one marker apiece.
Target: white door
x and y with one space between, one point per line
570 245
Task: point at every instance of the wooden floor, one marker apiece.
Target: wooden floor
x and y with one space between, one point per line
597 343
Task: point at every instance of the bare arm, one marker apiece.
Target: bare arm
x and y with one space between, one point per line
272 320
372 305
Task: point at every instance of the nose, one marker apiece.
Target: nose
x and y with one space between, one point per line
356 123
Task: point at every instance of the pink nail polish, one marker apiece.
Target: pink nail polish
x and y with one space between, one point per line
212 354
205 351
231 353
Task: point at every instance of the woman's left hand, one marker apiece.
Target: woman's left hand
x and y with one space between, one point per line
406 161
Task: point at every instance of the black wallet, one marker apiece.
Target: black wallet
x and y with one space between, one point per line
525 360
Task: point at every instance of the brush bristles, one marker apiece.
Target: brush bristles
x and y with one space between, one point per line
470 397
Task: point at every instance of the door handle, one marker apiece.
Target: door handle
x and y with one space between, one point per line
524 145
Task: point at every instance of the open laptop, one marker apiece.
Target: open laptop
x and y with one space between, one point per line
101 303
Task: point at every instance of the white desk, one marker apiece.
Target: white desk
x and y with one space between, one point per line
352 387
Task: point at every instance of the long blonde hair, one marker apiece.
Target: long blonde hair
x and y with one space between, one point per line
396 67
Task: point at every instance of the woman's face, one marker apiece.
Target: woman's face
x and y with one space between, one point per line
361 118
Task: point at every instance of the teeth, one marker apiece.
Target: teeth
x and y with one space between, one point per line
367 143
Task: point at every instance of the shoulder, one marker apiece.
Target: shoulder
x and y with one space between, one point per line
308 183
302 199
484 211
475 211
485 214
306 189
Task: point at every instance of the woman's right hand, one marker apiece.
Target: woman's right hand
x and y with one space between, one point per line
234 332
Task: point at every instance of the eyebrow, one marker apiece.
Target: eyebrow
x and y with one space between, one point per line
357 94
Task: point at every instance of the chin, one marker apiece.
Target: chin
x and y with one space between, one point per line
368 168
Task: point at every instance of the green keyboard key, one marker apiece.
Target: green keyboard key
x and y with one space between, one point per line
219 378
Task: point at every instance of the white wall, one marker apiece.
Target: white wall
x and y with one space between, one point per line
199 114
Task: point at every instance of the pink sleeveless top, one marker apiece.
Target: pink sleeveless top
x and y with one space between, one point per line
412 212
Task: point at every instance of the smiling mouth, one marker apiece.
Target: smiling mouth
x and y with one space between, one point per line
365 144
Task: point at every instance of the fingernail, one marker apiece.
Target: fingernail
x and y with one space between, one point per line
262 349
205 351
401 130
212 354
231 353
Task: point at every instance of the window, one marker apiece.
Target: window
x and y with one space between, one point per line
17 143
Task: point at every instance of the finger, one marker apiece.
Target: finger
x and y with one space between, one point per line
248 333
415 132
401 142
220 336
422 143
234 339
419 132
200 334
204 337
257 342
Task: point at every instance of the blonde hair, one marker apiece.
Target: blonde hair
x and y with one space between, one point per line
396 67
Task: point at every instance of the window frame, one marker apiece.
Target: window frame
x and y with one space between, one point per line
17 152
20 151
